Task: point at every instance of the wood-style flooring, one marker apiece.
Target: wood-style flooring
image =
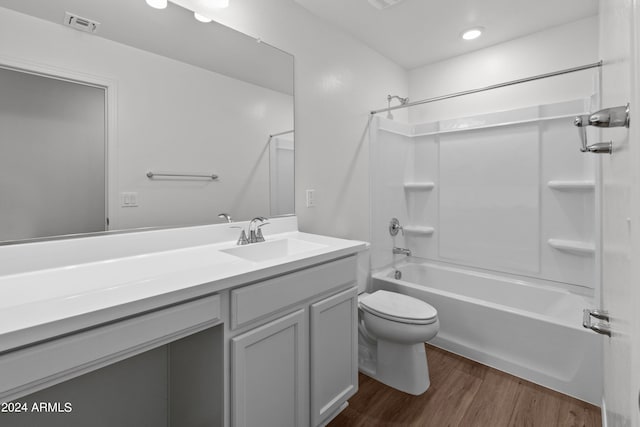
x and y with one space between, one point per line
467 394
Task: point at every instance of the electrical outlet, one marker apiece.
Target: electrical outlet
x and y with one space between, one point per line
311 198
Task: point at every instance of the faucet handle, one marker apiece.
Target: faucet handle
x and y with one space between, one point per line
242 240
259 236
394 227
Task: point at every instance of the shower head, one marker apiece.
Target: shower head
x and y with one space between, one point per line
403 101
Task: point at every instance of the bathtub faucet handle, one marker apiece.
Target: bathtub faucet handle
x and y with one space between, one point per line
394 227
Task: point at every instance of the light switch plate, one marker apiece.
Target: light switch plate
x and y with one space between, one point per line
129 199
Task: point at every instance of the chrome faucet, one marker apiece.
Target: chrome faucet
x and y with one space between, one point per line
255 233
226 216
401 251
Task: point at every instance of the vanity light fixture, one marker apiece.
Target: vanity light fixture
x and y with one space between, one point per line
208 5
201 18
211 4
472 33
157 4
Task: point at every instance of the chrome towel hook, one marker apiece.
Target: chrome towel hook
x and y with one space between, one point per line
611 117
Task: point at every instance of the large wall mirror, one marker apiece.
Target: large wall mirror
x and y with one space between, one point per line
86 118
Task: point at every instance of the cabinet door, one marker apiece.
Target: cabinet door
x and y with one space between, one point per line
269 374
334 353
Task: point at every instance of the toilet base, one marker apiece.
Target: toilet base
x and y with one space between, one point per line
402 366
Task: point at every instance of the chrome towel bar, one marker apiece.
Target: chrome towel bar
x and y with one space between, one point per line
152 175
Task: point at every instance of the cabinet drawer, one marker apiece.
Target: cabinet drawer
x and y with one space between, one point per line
255 301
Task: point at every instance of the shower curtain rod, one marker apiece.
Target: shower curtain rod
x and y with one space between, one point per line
496 86
281 133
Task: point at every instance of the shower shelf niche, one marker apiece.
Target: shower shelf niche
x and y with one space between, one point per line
419 186
577 185
573 246
419 230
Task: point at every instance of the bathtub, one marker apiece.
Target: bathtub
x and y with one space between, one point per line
531 331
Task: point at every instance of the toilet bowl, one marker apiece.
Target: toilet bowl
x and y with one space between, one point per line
393 328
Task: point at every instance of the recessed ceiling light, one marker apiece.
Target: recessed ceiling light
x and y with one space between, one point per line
472 33
158 4
201 18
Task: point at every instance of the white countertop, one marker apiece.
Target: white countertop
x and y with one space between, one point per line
43 304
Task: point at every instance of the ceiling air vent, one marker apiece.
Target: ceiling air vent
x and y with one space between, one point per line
79 23
383 4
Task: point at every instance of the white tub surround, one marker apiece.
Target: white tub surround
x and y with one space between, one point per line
518 326
84 303
506 191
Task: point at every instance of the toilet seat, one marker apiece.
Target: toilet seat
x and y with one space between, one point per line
399 308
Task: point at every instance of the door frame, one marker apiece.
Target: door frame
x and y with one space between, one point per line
110 87
634 151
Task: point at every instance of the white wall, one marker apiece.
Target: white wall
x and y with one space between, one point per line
171 117
557 48
338 81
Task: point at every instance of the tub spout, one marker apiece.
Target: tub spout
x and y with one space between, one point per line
401 251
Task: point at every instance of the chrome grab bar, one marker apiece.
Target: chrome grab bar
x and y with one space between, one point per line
606 118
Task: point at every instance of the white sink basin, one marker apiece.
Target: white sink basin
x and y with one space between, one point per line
272 249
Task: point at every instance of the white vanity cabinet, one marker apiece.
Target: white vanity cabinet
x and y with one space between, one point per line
269 374
217 338
334 353
294 355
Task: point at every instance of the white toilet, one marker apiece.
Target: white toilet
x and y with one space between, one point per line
392 330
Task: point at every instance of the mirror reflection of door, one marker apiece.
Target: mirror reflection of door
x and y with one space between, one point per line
281 174
52 167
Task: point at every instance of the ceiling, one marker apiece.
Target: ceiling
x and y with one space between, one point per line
413 33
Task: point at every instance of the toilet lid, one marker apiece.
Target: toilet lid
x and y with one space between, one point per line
395 306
